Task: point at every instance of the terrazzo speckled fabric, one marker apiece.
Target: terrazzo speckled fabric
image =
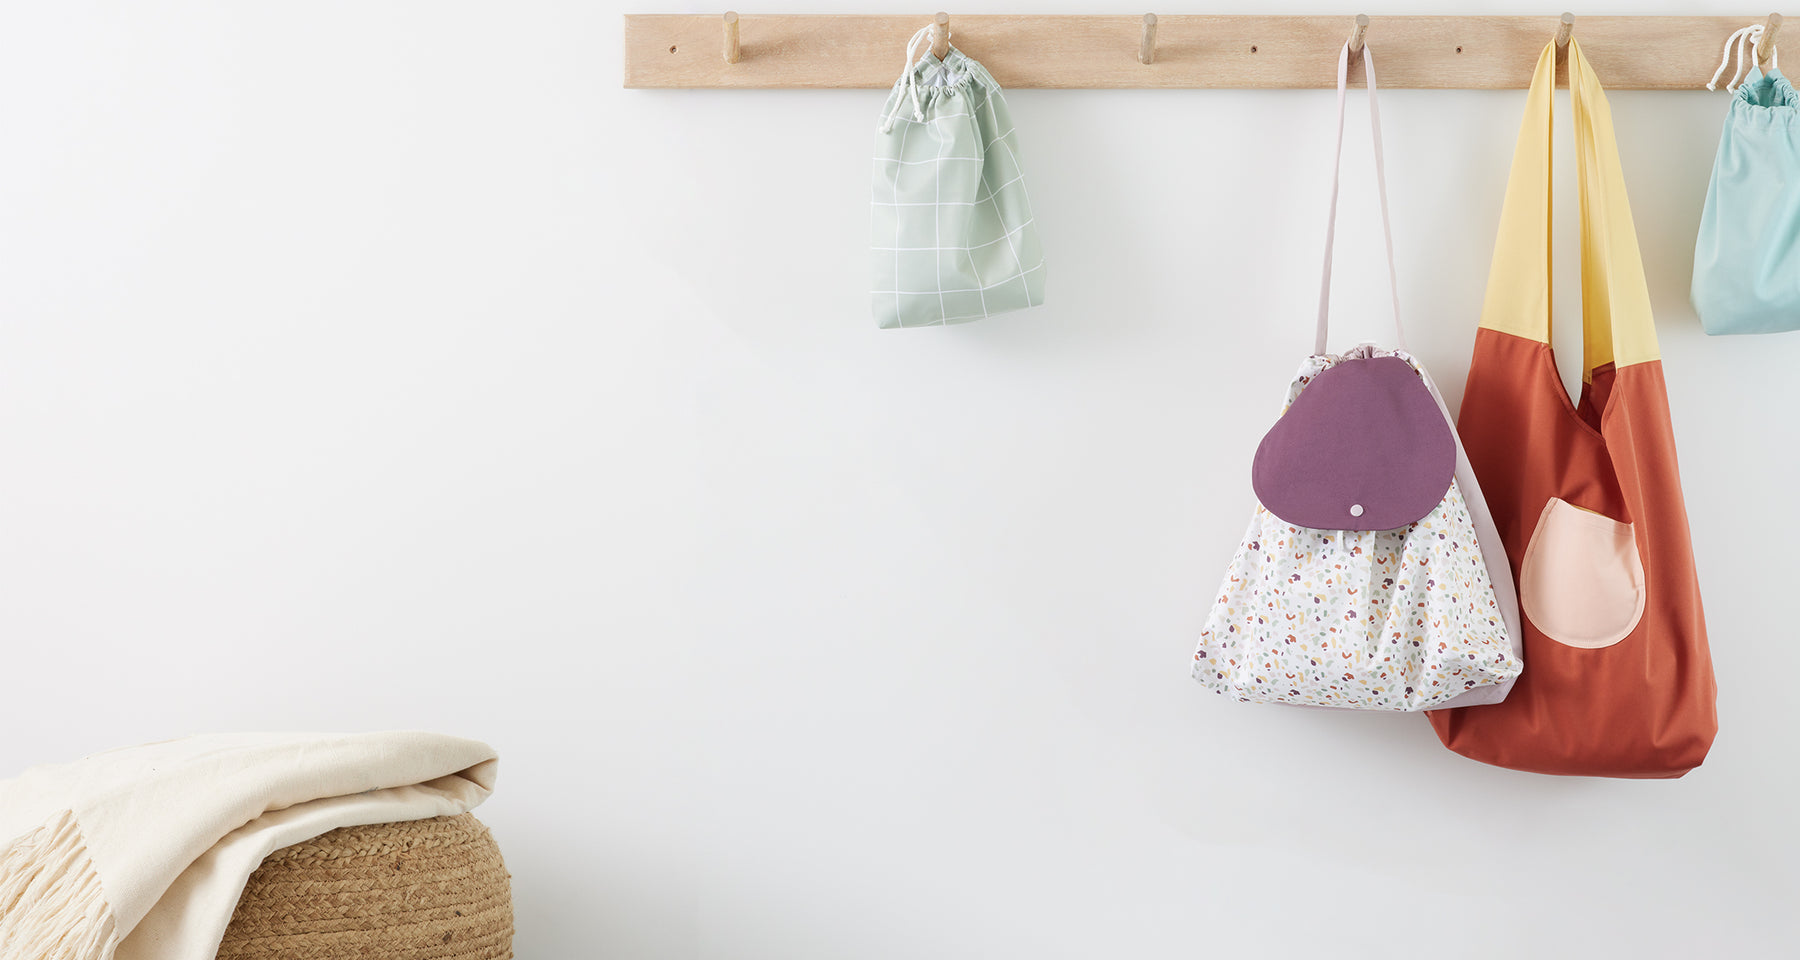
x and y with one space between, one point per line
1411 610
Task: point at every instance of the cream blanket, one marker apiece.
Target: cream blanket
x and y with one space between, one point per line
142 853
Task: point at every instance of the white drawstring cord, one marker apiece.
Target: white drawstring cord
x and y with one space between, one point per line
909 78
1752 34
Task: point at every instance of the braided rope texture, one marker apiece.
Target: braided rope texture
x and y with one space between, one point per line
421 890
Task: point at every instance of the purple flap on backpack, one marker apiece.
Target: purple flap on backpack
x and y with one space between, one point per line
1363 447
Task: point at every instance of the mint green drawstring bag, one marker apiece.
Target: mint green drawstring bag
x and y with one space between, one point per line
1747 255
952 237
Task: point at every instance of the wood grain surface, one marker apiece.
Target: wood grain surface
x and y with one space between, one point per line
1262 52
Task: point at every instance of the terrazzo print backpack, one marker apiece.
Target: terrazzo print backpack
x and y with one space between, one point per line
1362 582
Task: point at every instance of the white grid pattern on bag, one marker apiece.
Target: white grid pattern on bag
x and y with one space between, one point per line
944 133
949 203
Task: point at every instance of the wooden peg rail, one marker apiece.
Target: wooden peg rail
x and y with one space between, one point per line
1454 52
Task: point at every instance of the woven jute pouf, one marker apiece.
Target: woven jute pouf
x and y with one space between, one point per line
423 890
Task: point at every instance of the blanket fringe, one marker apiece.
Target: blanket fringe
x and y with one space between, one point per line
51 903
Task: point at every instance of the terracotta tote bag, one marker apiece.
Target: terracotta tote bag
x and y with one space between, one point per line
1618 681
1362 582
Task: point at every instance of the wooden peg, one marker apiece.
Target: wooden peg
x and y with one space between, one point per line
940 35
1766 46
731 36
1356 36
1564 30
1147 46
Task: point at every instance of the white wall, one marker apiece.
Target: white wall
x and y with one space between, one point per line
387 364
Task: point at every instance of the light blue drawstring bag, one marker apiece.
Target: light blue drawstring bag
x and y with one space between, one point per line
1747 256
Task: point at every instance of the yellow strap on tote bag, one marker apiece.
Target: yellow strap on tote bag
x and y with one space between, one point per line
1615 298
